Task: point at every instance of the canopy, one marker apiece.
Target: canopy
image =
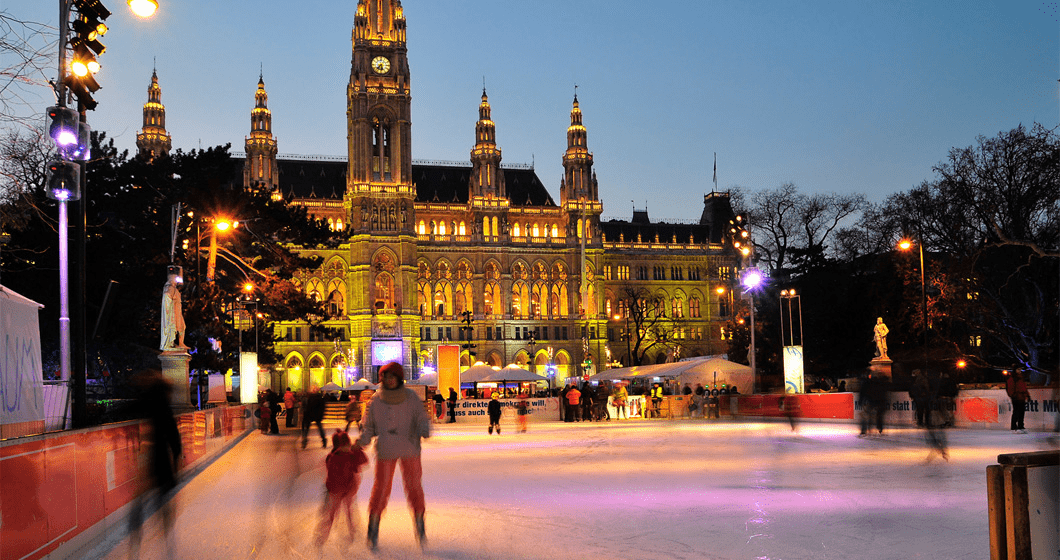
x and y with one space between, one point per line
643 372
331 386
360 385
515 374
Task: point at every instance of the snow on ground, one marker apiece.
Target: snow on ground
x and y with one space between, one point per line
684 489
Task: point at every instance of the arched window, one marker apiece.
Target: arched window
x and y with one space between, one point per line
515 230
693 308
314 289
486 226
424 295
336 304
384 291
443 299
463 229
536 230
422 228
677 310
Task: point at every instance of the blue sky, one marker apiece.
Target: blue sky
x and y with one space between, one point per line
848 96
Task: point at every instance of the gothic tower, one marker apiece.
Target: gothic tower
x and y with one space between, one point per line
487 179
579 181
379 192
579 198
260 170
153 140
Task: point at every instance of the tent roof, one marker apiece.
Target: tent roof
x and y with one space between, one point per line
7 293
513 374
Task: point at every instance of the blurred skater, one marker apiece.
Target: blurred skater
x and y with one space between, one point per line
522 411
343 465
494 410
289 402
451 404
313 411
789 407
397 419
353 414
165 451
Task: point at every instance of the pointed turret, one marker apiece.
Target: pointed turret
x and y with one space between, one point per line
153 140
487 179
579 183
260 171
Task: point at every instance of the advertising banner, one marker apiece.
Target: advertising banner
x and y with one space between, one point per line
448 368
793 369
473 411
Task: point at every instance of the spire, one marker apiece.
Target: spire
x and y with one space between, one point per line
487 179
579 181
153 140
260 170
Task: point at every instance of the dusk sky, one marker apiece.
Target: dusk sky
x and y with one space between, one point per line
834 96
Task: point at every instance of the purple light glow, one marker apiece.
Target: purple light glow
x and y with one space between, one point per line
752 279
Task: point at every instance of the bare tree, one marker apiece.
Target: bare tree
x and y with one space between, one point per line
792 229
29 53
649 326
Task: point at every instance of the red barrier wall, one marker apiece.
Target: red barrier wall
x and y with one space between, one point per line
839 406
53 487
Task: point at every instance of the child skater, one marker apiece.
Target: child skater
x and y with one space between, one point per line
344 465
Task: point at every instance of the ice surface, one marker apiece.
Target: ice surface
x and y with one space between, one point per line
684 489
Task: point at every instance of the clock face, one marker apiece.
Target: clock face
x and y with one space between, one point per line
381 64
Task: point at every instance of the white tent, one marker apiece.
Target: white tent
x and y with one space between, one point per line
514 374
22 389
360 385
703 372
476 373
429 379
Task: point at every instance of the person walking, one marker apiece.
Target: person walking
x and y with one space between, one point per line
289 403
313 412
353 414
1016 388
439 407
920 392
522 411
398 421
494 410
656 400
343 466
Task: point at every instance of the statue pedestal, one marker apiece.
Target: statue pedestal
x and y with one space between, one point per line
881 367
175 370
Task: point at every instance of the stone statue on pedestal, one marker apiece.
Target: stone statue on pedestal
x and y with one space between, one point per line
880 336
172 316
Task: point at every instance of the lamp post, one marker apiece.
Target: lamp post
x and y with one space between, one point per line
752 278
629 349
905 245
720 290
533 360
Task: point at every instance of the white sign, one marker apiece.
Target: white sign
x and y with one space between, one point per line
21 375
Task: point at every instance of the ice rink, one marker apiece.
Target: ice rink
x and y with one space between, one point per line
687 489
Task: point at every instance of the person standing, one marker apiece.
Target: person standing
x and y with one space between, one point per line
273 402
439 407
398 421
289 402
523 411
452 405
574 400
494 410
1016 388
656 400
343 465
587 402
920 392
618 398
314 412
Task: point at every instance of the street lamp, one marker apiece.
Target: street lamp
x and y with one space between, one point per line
720 290
752 279
219 226
629 349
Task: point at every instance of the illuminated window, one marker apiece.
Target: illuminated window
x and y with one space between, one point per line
607 272
975 341
536 230
423 228
463 229
623 272
515 230
693 308
441 228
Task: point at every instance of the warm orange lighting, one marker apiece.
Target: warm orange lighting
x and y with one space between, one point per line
739 321
961 364
617 316
143 8
905 244
745 251
248 287
720 290
223 225
79 68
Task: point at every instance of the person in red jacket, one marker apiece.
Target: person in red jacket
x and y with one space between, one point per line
574 401
344 465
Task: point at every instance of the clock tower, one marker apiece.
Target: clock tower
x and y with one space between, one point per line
381 276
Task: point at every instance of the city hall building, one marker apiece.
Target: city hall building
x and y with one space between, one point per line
477 252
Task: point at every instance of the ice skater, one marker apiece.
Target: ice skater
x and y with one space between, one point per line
344 465
397 419
494 410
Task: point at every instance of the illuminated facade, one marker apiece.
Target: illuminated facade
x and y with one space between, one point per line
153 140
425 245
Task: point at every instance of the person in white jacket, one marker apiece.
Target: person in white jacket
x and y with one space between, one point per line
397 419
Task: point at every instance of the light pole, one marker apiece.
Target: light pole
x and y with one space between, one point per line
905 245
629 349
222 226
752 278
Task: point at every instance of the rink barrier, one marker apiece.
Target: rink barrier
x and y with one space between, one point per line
62 493
1022 492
